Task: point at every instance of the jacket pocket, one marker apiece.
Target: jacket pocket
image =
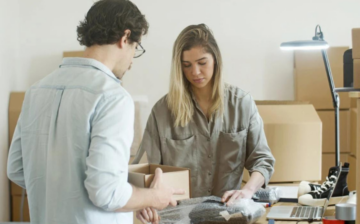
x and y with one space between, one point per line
181 153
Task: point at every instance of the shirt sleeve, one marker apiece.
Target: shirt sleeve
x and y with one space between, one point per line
15 170
151 141
112 132
258 154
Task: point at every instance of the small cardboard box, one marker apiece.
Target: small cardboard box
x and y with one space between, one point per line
354 137
141 175
294 135
356 74
328 140
328 160
356 43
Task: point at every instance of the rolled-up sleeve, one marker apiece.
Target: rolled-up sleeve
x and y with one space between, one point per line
112 131
151 141
15 170
258 154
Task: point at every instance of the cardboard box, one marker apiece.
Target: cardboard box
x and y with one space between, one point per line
353 103
328 140
312 85
353 131
294 135
280 102
313 59
73 54
311 82
16 190
328 160
356 73
16 205
141 175
15 104
351 179
356 43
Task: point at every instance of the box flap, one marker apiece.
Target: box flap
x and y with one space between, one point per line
288 114
137 179
165 168
143 168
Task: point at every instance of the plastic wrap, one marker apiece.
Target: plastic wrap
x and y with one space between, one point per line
270 194
211 210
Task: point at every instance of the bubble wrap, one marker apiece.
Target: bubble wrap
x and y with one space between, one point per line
206 210
271 195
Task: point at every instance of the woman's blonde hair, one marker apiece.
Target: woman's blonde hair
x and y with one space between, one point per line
179 99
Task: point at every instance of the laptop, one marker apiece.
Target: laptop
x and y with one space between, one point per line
301 212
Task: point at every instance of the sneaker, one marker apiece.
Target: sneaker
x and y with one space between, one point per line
340 194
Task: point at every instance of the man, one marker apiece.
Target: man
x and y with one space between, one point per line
71 146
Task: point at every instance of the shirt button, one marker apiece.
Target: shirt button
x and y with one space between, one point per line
209 190
208 139
209 155
209 173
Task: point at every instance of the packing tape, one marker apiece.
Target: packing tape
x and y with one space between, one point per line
332 220
346 212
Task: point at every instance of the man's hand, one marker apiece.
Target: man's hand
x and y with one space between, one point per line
163 195
147 215
230 196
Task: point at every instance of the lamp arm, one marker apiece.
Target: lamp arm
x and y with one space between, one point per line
336 104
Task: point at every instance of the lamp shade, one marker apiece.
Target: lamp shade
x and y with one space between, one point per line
304 45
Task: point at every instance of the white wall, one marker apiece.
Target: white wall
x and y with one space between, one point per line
34 33
249 34
9 19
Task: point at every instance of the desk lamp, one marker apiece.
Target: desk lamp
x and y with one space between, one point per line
318 43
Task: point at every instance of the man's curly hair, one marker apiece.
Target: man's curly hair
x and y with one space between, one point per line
107 20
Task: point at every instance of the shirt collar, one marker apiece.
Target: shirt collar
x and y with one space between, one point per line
91 63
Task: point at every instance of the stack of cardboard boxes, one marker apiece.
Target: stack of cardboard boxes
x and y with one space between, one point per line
354 136
356 56
293 132
311 84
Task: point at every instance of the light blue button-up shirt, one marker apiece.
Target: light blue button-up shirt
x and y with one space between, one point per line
71 146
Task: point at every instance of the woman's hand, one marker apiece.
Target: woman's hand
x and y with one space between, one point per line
147 215
230 196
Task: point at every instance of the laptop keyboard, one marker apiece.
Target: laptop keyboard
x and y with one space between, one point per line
306 212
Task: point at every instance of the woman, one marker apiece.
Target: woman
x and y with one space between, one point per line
202 124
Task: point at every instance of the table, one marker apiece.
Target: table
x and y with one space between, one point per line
330 211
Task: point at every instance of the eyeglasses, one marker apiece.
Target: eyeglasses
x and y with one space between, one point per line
139 50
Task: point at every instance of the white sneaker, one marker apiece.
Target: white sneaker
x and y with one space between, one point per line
352 198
